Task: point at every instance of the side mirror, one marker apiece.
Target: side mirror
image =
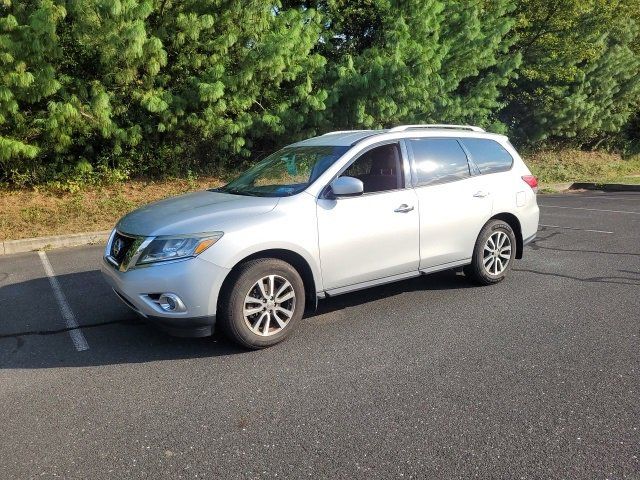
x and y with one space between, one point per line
347 187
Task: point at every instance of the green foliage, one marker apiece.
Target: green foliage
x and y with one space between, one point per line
161 86
580 76
423 61
92 90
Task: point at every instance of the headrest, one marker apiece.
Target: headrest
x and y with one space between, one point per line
385 160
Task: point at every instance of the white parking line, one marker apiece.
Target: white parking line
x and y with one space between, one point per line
77 337
591 209
573 228
599 197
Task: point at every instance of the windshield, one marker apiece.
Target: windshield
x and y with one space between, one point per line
285 172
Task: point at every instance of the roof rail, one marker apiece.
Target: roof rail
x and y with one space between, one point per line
402 128
343 131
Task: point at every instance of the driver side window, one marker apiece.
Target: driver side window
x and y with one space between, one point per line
379 169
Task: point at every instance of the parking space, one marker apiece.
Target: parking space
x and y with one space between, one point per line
536 377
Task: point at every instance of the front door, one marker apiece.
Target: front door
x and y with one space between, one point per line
374 235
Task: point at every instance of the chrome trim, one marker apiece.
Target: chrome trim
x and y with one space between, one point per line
132 255
181 310
179 304
111 260
446 266
107 250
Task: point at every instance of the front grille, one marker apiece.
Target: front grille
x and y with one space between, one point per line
120 246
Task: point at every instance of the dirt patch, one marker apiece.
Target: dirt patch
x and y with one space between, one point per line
34 213
570 165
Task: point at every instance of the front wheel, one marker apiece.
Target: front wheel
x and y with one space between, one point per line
263 303
493 254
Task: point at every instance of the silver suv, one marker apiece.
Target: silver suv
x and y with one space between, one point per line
325 216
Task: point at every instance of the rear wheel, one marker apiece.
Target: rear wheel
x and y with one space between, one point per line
263 303
493 254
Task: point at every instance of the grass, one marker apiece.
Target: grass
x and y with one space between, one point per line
557 168
34 213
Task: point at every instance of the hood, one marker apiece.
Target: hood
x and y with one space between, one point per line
193 213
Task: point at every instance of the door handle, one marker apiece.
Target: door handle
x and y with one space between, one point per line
404 208
480 194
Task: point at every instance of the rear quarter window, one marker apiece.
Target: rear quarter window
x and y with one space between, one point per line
488 155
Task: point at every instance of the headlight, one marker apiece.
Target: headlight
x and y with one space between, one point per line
177 246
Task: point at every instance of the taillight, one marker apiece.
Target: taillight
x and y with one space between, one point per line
532 181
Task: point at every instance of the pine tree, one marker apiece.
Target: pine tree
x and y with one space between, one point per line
28 41
167 86
579 77
419 61
150 85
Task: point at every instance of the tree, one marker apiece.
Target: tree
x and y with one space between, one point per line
579 77
152 85
167 86
28 40
418 61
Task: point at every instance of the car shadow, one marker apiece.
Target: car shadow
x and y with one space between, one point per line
446 280
32 336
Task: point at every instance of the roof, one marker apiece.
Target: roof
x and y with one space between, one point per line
340 138
350 137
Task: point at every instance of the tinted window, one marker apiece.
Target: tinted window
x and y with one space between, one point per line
439 160
380 169
488 155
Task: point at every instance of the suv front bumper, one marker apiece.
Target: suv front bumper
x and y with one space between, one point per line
195 281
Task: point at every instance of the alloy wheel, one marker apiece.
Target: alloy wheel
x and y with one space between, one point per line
269 305
497 253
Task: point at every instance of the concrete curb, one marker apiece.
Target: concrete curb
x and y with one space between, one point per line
30 244
607 187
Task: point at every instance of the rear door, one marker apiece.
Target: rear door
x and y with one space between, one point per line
453 203
495 163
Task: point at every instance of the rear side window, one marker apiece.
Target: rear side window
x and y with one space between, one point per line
488 155
439 160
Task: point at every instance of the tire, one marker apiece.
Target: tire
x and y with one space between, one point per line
262 323
496 259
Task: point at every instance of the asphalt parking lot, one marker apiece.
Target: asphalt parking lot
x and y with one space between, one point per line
537 377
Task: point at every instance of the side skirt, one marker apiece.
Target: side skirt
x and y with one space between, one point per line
393 278
371 283
446 266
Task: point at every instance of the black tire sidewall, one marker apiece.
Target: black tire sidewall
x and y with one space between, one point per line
477 270
246 277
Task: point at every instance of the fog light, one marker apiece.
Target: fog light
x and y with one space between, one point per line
170 302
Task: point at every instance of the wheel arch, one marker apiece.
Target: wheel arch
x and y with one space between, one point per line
514 223
296 260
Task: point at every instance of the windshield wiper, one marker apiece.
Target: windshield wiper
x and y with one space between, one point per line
233 191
